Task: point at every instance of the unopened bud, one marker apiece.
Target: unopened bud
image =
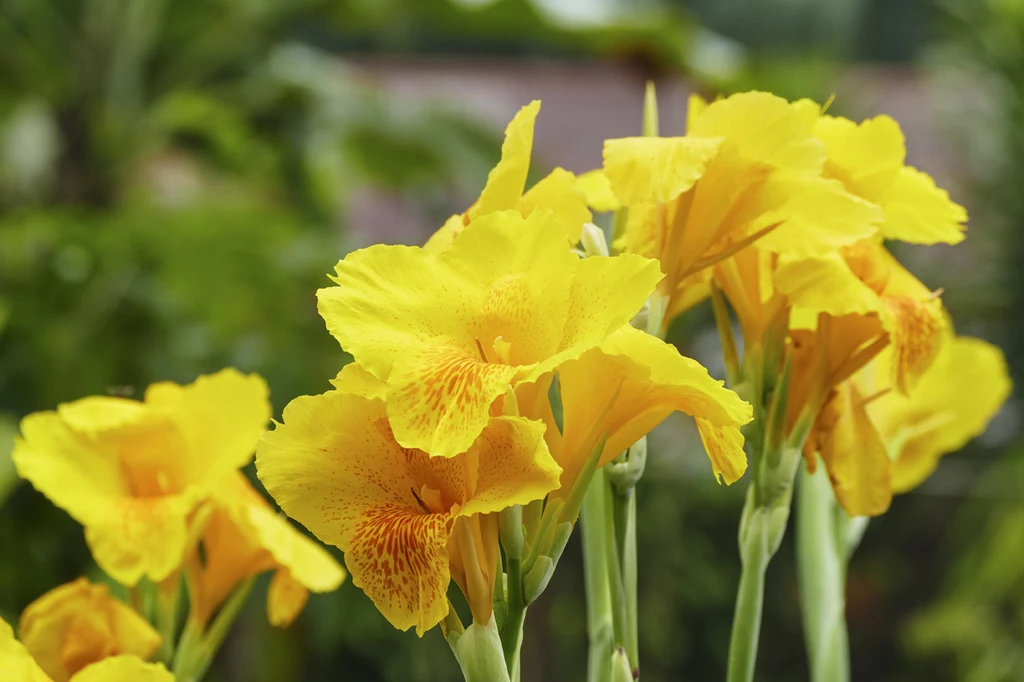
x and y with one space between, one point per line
593 241
538 578
510 528
621 669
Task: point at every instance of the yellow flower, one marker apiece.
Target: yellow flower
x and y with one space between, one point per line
864 280
243 537
953 402
449 331
869 160
747 171
133 472
627 386
876 441
407 522
79 633
505 184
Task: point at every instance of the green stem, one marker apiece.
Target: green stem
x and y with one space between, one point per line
512 631
197 649
615 578
595 578
821 569
624 516
761 529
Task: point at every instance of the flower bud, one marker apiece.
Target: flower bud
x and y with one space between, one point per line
593 241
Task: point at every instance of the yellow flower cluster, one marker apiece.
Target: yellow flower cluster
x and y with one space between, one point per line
498 367
785 209
157 486
444 419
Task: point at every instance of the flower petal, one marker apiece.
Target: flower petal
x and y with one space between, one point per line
354 379
16 664
917 211
286 598
145 536
446 234
648 380
856 458
221 418
334 467
79 623
765 128
952 403
506 181
597 188
656 169
559 193
866 157
67 467
124 669
824 284
814 216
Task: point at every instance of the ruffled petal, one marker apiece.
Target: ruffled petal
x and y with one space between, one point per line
866 157
354 379
446 234
220 417
560 194
764 128
506 181
334 466
75 473
953 402
917 211
597 188
656 169
629 385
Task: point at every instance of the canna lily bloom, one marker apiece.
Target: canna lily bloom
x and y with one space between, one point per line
876 301
407 522
747 172
623 389
134 472
505 186
953 402
449 331
869 160
16 665
244 537
78 624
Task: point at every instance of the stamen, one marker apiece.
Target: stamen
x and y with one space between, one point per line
480 347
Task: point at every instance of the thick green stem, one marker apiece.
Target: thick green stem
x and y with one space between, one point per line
821 569
595 577
512 631
197 648
761 529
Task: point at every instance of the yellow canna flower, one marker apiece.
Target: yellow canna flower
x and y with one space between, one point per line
506 183
78 624
243 537
953 402
79 632
407 522
449 331
133 472
627 386
748 171
864 280
17 665
869 160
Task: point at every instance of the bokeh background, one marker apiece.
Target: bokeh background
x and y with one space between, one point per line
177 178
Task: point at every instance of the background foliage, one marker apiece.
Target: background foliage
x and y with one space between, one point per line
175 181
